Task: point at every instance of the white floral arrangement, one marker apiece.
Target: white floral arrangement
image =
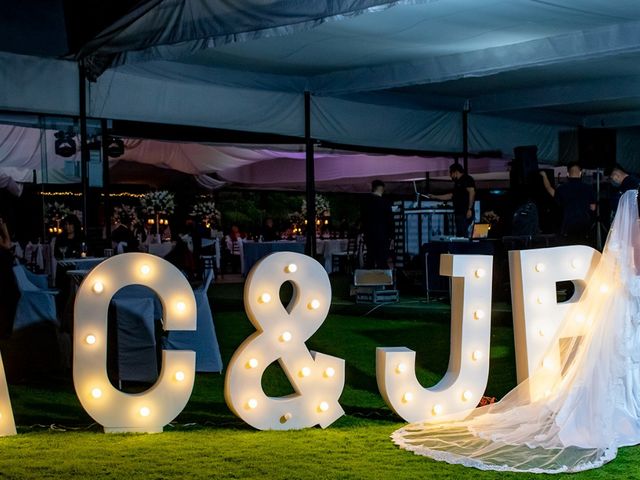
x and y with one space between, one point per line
123 212
207 212
323 208
56 212
158 203
296 218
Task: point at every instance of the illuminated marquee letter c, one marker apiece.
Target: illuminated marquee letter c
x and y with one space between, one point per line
117 411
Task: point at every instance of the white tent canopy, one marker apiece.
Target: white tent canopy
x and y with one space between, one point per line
392 74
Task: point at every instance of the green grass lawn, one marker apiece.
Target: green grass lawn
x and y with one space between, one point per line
207 441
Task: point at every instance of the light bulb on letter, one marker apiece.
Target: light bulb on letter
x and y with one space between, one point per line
478 314
265 297
324 406
90 339
401 368
407 397
145 411
286 336
476 355
252 363
292 268
540 267
252 403
329 372
480 272
437 409
314 304
305 371
179 375
96 393
467 395
98 287
145 269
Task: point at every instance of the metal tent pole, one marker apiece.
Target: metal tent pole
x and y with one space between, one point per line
310 247
84 148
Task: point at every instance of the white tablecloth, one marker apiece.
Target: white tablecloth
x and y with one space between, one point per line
160 249
327 248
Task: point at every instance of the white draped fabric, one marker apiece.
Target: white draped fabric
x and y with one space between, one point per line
594 406
24 150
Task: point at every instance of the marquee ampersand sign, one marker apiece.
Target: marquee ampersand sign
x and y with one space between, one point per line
318 379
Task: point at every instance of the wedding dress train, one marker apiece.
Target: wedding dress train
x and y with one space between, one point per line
594 406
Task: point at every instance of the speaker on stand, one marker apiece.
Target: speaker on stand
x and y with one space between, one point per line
524 167
597 151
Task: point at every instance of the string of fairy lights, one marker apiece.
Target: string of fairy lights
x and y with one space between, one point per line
78 194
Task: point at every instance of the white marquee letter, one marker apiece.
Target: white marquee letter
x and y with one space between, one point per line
317 379
114 410
537 315
463 385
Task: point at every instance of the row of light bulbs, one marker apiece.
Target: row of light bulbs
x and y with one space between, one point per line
541 267
145 270
144 411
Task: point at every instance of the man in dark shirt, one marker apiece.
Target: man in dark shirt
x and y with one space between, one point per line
577 201
377 225
463 196
621 179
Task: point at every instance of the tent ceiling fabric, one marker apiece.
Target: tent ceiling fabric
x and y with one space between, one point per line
574 58
396 74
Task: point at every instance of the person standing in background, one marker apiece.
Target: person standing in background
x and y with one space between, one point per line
8 286
463 197
620 179
377 225
577 201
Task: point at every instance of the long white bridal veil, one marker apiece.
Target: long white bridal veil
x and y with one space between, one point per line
592 404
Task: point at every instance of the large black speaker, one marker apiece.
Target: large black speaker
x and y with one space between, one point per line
597 148
524 167
591 147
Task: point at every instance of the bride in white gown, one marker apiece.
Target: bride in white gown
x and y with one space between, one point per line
593 407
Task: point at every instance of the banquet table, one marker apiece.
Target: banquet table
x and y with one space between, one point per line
254 251
138 319
161 249
327 248
83 263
